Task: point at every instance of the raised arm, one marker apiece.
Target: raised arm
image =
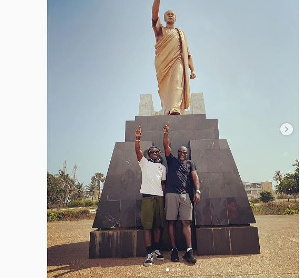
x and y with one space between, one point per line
166 140
155 10
138 135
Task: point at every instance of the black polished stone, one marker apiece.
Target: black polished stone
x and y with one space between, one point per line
221 241
206 144
223 203
108 215
203 212
117 243
213 160
216 185
205 241
218 211
138 204
140 244
239 211
230 240
244 240
227 161
217 171
233 185
128 213
205 185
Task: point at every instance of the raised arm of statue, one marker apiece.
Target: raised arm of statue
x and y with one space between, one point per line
156 25
155 10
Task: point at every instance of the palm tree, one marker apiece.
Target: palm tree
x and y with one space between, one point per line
94 188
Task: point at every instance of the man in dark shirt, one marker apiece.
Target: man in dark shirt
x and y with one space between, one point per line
181 175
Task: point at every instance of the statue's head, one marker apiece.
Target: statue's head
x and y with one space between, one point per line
170 17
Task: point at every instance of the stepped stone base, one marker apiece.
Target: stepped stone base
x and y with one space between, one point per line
230 240
222 218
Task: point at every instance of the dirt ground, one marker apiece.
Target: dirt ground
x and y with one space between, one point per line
68 252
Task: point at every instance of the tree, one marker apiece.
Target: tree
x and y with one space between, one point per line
79 193
266 196
288 183
61 188
68 184
94 188
55 192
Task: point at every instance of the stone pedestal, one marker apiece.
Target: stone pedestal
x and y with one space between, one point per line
222 217
230 240
116 243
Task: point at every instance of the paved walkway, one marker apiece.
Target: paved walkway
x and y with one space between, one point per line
68 246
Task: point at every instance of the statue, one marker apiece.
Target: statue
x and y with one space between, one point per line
172 62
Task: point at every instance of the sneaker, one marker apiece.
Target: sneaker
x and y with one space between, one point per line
156 254
149 260
174 255
189 257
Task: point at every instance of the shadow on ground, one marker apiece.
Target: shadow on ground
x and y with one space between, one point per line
72 257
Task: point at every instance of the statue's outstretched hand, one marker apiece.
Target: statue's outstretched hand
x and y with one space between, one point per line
193 75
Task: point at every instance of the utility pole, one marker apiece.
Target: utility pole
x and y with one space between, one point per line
74 172
65 167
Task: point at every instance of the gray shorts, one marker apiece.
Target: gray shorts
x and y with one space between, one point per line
178 206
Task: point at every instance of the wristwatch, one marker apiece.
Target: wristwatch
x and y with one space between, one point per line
198 191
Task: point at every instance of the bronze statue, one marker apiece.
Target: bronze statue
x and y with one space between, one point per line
172 62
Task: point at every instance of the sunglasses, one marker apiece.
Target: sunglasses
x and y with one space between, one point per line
157 152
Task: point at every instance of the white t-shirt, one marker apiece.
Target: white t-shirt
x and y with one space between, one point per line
152 175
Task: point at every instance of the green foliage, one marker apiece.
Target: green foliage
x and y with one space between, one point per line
68 214
266 196
82 203
75 203
288 183
55 191
254 200
252 205
89 203
274 208
291 211
52 216
94 188
62 189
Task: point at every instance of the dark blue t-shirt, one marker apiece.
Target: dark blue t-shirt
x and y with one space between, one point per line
179 178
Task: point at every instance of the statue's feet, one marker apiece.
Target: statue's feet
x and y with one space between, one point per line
174 112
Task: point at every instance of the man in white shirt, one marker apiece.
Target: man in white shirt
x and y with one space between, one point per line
152 190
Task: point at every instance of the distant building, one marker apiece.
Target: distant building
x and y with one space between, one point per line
253 189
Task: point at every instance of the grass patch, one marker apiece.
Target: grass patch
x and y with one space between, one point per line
275 208
69 214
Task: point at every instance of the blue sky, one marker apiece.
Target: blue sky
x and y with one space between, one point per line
101 58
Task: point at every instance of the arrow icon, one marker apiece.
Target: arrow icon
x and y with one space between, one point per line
286 129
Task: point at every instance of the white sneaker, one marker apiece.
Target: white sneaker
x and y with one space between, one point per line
149 260
156 254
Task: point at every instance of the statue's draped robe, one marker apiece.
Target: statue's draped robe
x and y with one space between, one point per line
172 71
